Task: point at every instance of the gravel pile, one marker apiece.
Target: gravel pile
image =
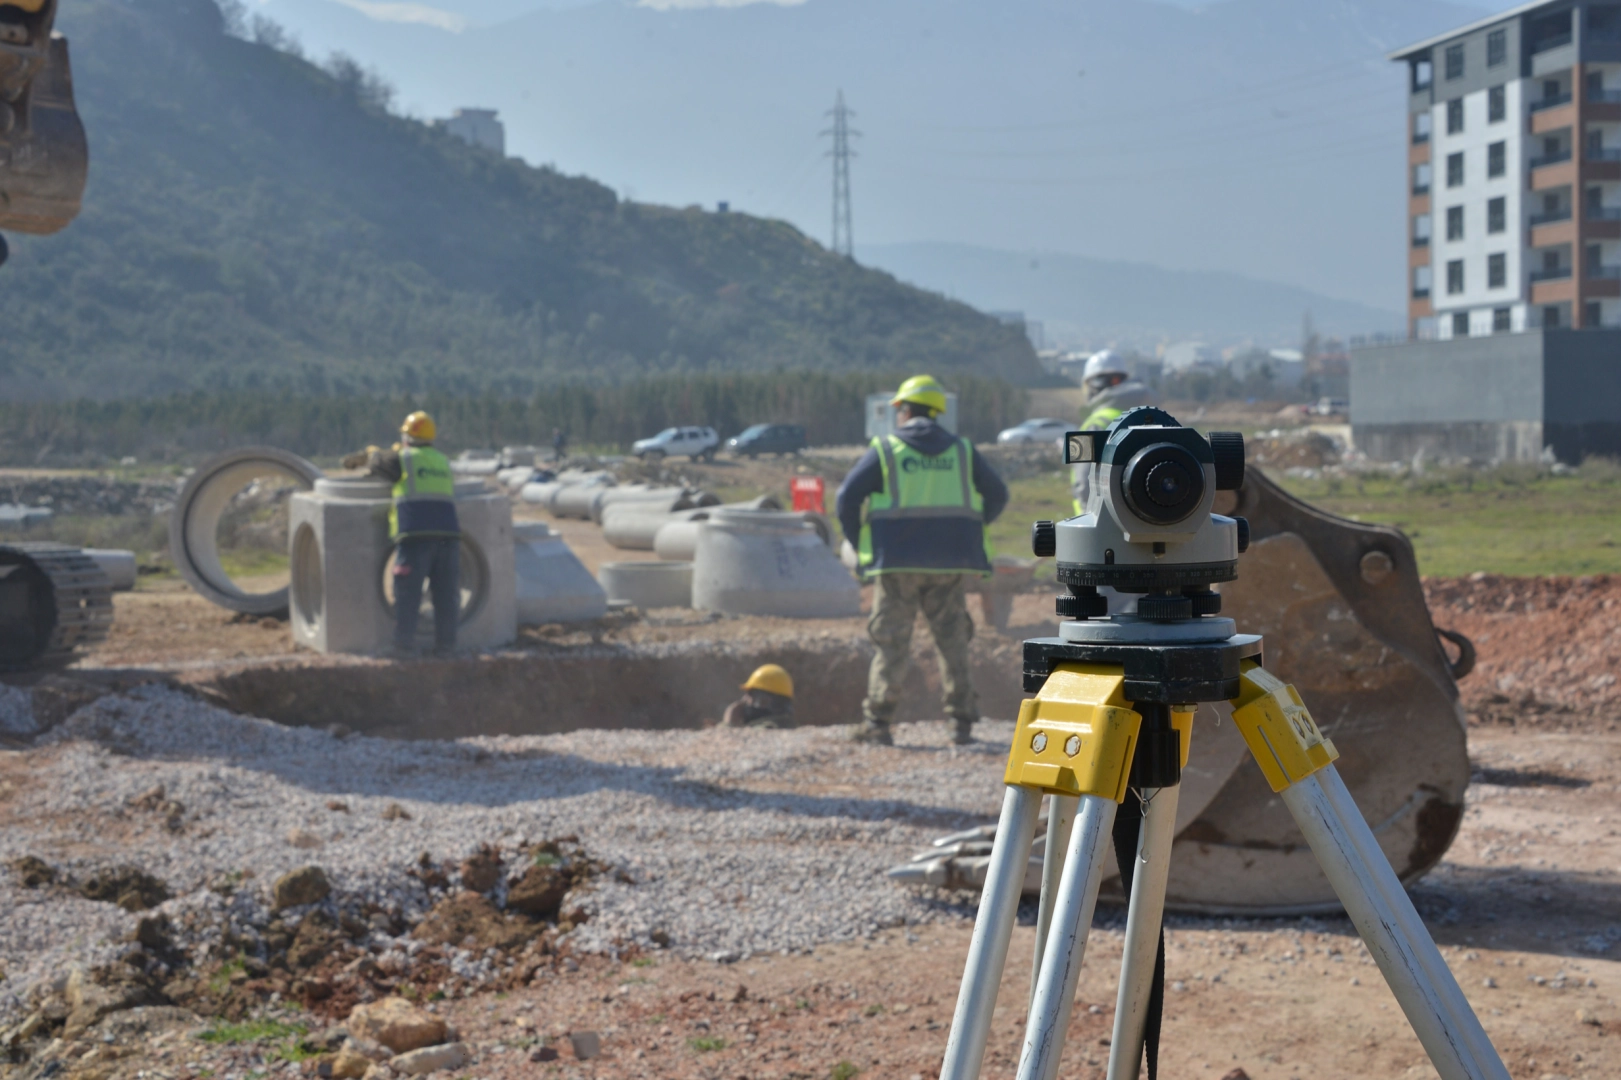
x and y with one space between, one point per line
720 843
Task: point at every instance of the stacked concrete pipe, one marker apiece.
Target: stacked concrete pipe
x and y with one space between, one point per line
677 539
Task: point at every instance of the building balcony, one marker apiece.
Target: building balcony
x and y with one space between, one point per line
1550 159
1421 241
1556 41
1605 273
1550 218
1551 102
1603 213
1558 274
1421 189
1602 155
1603 97
1421 294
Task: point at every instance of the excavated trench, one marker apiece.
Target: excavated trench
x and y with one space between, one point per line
671 686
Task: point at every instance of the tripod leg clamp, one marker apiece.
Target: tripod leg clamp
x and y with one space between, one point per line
1286 742
1077 735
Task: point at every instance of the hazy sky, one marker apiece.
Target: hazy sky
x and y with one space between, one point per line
1250 155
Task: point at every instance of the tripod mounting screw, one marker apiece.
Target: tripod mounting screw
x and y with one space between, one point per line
1084 603
1044 539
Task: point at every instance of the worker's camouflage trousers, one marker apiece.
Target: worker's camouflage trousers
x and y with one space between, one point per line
897 599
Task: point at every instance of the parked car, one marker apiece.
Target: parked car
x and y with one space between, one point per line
695 442
1041 430
1329 406
760 439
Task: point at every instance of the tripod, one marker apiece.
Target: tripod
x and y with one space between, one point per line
1112 721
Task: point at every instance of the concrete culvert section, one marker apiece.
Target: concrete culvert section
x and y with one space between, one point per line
242 496
553 585
648 585
761 562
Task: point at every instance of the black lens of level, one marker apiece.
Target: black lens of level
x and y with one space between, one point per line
1164 483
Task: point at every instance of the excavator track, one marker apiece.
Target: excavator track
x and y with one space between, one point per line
54 600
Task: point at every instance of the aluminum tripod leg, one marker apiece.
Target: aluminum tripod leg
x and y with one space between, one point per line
993 927
1384 915
1144 917
1060 821
1073 905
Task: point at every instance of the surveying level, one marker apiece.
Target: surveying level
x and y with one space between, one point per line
1107 735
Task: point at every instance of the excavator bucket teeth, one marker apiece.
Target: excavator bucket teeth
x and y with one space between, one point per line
43 154
1344 619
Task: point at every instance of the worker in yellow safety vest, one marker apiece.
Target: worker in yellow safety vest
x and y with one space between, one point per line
928 497
1110 391
423 524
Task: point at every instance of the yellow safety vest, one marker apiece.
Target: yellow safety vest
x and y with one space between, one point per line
424 496
929 518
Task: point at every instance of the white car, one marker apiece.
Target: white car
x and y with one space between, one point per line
1042 430
695 442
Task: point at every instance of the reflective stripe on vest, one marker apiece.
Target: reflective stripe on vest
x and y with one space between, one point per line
424 495
918 485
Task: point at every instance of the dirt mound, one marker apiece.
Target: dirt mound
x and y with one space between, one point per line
1548 647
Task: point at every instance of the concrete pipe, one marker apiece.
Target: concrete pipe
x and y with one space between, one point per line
648 585
194 523
574 500
629 527
764 563
541 493
117 564
678 538
553 585
657 499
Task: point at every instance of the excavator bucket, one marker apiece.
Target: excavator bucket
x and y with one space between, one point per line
43 155
1344 619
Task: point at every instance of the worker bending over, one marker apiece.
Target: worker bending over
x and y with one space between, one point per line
929 497
767 701
423 524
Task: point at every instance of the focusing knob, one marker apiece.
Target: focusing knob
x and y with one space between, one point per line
1044 539
1243 534
1083 603
1158 606
1228 448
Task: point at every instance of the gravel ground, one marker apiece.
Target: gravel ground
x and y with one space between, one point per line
730 843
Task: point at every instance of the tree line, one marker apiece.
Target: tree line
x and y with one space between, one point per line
187 426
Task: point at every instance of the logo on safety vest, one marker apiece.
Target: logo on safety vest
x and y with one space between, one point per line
913 464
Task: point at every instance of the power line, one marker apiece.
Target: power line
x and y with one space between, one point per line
843 237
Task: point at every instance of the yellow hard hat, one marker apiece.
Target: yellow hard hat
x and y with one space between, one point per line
772 679
419 426
922 390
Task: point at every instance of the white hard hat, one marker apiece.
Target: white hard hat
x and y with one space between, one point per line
1106 362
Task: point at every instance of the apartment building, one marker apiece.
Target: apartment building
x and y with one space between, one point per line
479 127
1514 170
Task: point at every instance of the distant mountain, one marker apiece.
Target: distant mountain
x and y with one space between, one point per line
253 221
1257 137
1094 302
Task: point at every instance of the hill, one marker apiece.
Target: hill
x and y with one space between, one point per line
1093 301
256 222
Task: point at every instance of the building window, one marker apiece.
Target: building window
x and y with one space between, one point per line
1496 214
1497 159
1454 277
1454 223
1460 324
1454 116
1455 169
1550 317
1592 314
1421 282
1421 126
1454 61
1595 85
1594 261
1604 22
1496 104
1496 47
1496 271
1421 179
1421 230
1550 205
1423 74
1502 320
1595 144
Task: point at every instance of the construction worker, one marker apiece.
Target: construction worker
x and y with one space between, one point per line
1110 391
929 499
767 701
423 523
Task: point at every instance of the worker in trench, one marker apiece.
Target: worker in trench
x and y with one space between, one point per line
767 701
928 498
423 524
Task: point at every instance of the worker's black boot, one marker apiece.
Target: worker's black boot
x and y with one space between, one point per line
873 732
962 732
